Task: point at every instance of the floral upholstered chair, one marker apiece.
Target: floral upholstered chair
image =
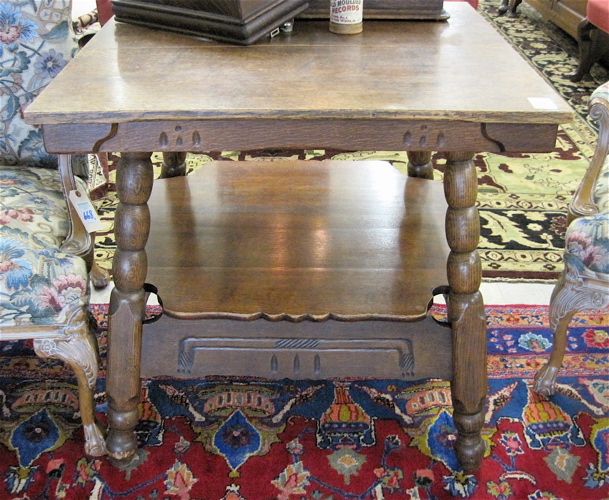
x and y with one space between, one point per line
584 283
45 250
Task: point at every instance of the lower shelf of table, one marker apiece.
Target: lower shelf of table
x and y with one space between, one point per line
297 269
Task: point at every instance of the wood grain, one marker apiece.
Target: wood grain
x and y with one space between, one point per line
340 241
393 70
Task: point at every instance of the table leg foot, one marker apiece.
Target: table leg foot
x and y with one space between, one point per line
470 446
121 441
469 384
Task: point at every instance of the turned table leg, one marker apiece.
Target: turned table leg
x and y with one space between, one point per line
174 165
134 180
420 164
466 308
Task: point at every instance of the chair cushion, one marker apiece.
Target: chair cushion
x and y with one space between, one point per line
587 245
36 42
597 13
37 280
601 189
601 92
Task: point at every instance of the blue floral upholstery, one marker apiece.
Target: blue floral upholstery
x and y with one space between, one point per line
38 282
44 292
36 42
587 238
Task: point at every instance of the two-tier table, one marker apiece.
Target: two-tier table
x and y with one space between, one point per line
454 87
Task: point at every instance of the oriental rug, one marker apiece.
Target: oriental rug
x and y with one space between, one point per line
249 439
523 198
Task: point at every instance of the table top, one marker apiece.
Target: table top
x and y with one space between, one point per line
461 70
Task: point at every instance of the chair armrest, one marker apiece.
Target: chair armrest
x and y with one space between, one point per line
78 240
584 202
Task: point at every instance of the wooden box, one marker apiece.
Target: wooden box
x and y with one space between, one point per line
386 9
234 21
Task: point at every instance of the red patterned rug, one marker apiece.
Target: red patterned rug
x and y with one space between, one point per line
220 438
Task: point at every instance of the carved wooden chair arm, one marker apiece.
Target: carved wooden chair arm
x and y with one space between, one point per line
79 241
586 199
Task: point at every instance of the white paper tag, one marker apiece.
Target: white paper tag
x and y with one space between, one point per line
86 211
542 103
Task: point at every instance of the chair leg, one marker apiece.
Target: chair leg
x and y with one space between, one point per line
593 44
562 309
78 348
586 59
509 6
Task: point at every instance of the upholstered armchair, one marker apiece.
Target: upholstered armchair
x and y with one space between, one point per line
584 283
46 253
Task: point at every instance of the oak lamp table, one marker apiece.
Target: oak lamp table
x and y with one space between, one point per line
454 87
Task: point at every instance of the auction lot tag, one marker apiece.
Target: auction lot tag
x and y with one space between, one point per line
542 103
86 211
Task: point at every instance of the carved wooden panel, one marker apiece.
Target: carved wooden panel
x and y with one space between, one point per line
350 135
307 350
304 358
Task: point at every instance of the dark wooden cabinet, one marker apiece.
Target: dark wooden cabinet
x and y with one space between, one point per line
240 22
566 14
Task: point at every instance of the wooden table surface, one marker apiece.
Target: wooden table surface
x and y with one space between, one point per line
458 70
